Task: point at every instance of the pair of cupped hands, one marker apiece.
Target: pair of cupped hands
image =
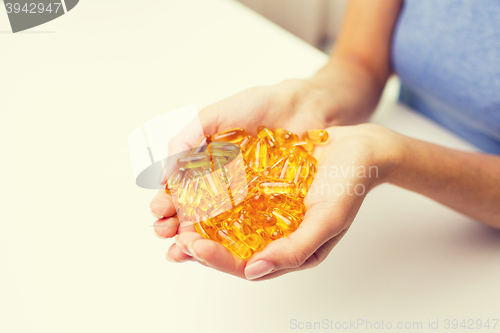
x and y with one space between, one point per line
334 198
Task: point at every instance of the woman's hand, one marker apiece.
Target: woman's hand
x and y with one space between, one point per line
357 159
296 105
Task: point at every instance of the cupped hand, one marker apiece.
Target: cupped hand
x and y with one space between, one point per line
357 159
296 105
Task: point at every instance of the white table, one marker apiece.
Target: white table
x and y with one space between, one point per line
77 250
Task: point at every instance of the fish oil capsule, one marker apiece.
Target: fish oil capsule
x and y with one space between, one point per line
245 142
194 161
257 202
268 136
284 136
174 180
254 241
239 228
277 200
285 222
309 147
294 206
258 156
183 186
273 232
275 170
234 135
299 152
308 181
277 187
233 244
227 150
206 230
261 219
202 145
316 137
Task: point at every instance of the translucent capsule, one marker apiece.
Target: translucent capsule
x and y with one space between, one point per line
294 206
299 152
244 201
233 244
261 219
227 150
316 137
206 230
277 200
309 147
284 136
234 135
273 232
257 202
240 228
194 192
285 222
245 142
276 169
194 161
277 187
258 155
268 136
202 145
174 180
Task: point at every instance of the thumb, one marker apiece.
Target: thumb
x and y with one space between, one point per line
320 224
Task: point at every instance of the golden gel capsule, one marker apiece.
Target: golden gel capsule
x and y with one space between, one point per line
284 136
174 180
245 142
244 202
316 137
227 150
277 200
257 202
268 136
309 147
234 135
254 241
194 161
285 222
202 145
273 232
233 244
205 229
277 187
259 156
261 219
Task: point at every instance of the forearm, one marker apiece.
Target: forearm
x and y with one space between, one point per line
467 182
354 89
360 63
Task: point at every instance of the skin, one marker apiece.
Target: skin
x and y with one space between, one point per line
344 92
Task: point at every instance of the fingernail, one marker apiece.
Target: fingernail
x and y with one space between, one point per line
156 234
168 258
159 217
258 269
193 252
181 246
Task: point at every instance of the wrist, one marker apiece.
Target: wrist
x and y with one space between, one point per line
392 156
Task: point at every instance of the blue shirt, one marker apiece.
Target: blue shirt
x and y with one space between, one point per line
447 54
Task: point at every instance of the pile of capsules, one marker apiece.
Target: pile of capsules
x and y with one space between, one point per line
244 192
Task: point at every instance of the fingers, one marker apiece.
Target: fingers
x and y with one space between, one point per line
175 254
166 228
293 251
212 254
162 205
